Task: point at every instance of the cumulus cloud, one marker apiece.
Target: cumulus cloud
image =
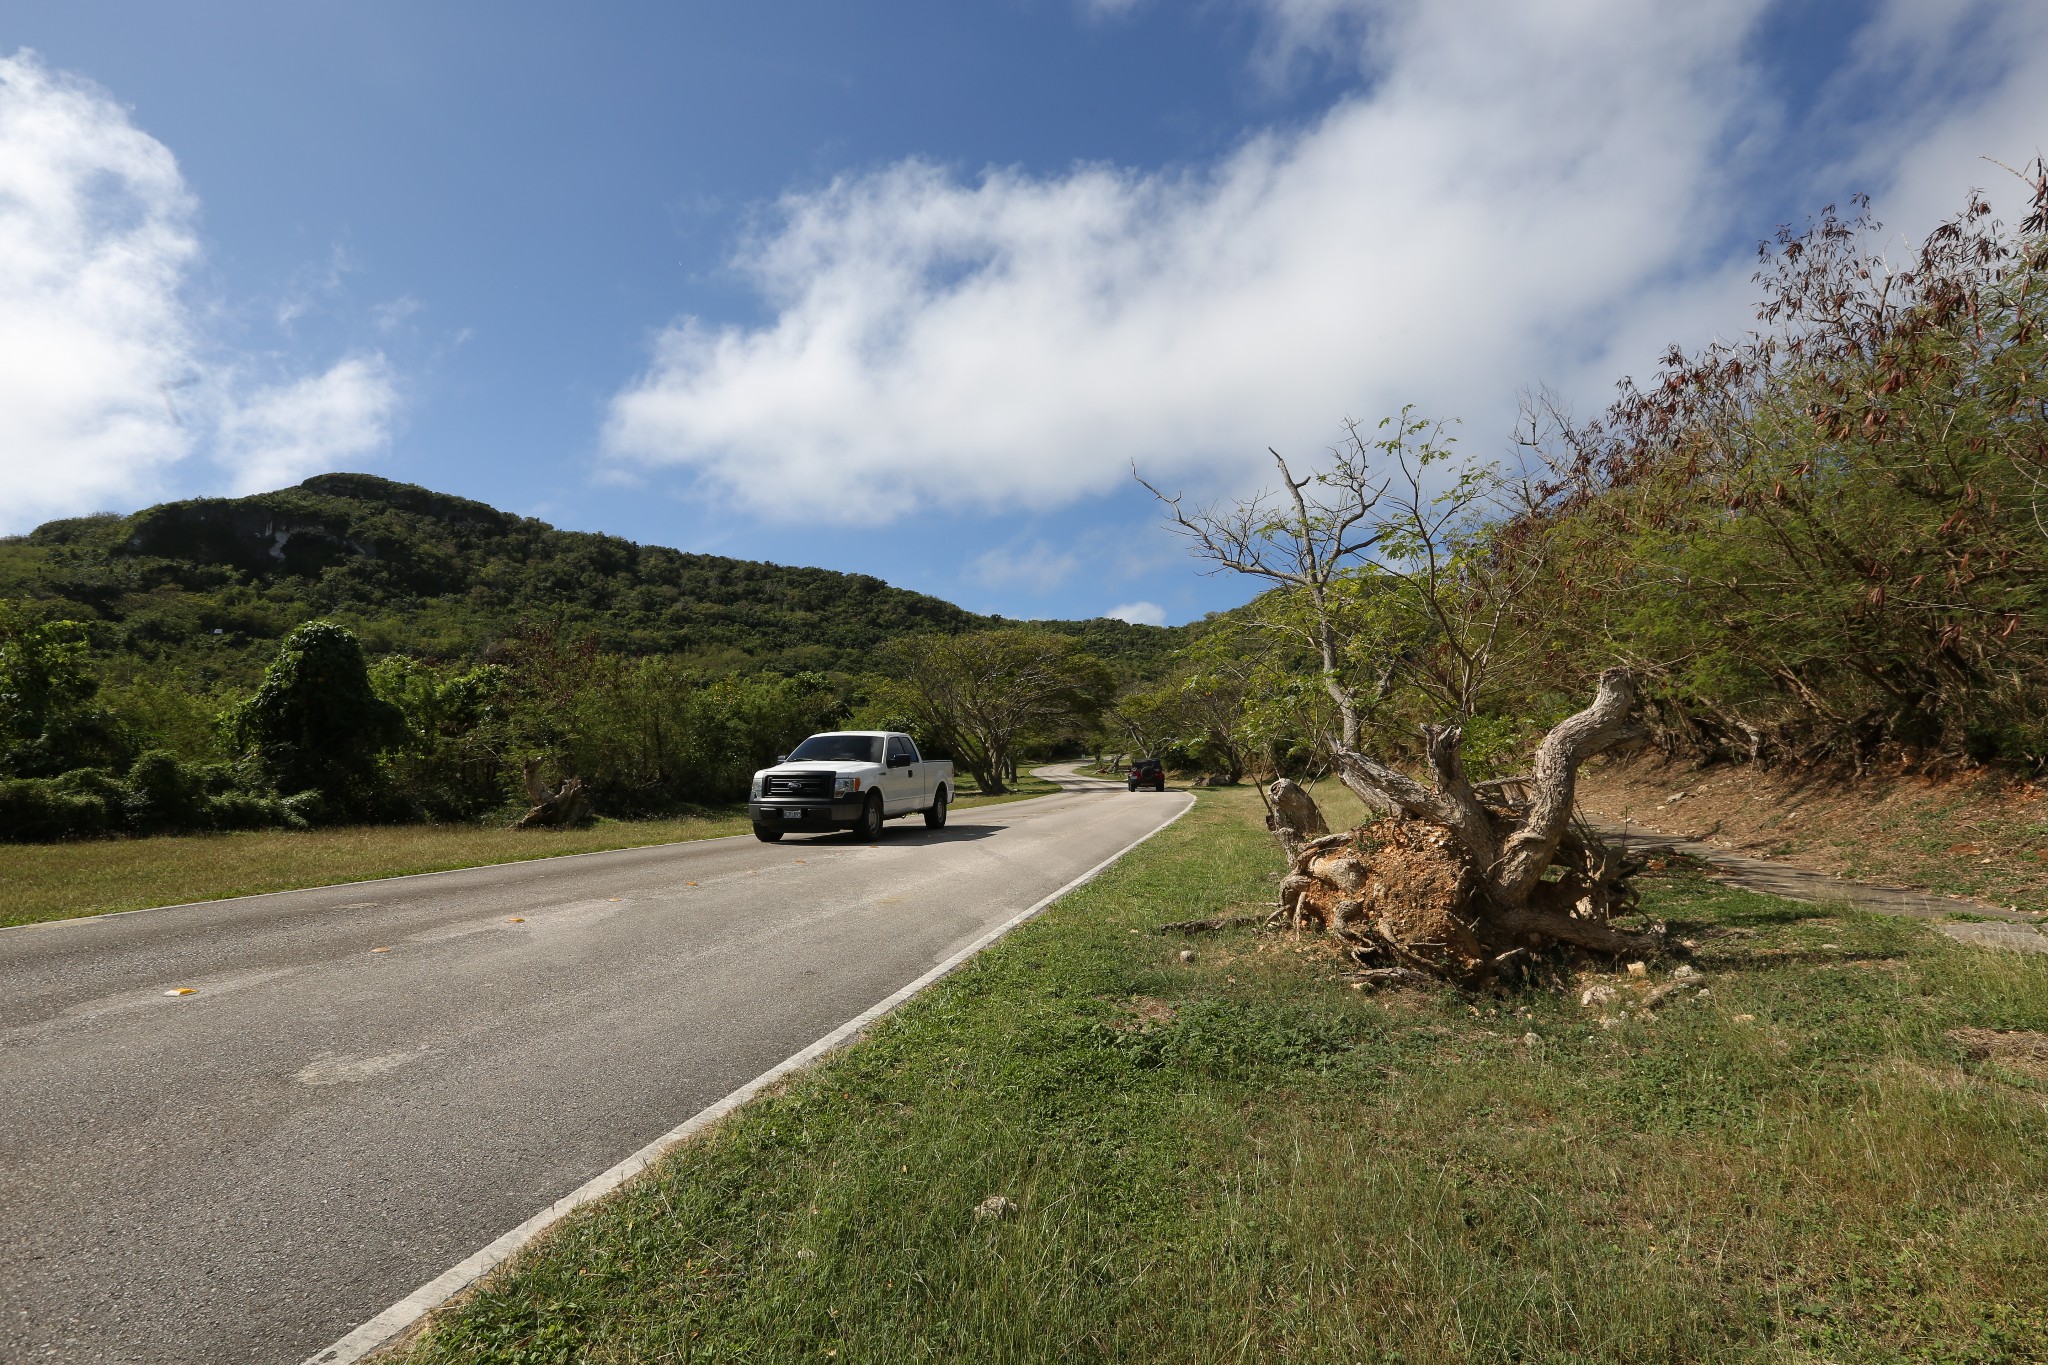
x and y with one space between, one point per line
107 384
281 434
1509 190
95 236
1138 613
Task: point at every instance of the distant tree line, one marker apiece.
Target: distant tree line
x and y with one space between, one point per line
329 736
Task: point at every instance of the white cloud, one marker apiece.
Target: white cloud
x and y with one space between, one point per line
284 433
1020 338
1952 86
395 313
95 235
1037 566
1512 193
107 384
1138 613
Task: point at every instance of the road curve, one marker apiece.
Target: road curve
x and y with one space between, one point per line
246 1172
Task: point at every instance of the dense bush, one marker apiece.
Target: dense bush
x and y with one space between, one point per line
316 723
328 738
1825 540
40 808
50 721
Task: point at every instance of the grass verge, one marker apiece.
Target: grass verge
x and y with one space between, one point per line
1027 785
92 877
1238 1159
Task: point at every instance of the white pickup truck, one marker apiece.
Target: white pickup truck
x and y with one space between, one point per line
849 779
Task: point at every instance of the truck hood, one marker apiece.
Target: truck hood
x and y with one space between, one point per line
840 765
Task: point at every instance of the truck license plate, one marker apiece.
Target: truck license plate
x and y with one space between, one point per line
792 815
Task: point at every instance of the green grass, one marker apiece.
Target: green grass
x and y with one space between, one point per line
93 877
1239 1159
1024 788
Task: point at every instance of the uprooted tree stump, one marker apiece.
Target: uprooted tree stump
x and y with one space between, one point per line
554 807
1293 816
1458 880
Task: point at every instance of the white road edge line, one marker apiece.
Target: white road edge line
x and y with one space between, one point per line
400 1317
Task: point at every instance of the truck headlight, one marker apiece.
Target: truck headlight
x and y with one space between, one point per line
843 784
756 792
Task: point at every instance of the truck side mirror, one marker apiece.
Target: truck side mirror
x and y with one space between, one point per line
782 758
899 760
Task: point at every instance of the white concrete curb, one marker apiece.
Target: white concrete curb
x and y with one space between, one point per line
401 1317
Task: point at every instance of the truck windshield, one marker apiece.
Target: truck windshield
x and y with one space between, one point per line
839 749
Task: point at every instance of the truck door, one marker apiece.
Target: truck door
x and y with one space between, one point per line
900 781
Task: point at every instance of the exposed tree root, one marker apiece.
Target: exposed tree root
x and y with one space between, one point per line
1461 881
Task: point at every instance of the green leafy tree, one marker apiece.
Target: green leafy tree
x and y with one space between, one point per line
317 724
979 694
1825 540
50 721
451 764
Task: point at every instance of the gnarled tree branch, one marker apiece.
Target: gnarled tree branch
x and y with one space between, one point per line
1529 848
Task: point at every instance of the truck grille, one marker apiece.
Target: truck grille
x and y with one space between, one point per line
807 786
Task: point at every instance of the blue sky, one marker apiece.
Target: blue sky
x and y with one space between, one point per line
907 288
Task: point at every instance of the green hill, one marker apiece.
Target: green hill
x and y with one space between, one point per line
208 586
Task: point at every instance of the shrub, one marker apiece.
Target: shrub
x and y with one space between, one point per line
164 796
246 810
35 809
316 723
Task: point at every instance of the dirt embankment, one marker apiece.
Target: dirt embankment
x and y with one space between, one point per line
1973 835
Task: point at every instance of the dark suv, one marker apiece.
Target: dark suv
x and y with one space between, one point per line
1146 772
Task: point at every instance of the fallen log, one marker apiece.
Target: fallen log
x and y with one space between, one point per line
554 808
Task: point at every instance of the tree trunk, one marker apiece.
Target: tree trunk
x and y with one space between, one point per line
1459 879
569 804
1293 816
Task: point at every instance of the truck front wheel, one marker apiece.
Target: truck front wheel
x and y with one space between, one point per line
768 834
935 813
869 830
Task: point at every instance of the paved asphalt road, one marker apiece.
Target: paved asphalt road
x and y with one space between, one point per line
247 1172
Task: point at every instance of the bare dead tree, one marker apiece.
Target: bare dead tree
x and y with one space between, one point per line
1457 878
1302 538
1480 891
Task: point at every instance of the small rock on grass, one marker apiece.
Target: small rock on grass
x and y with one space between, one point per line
1601 996
1660 995
1187 955
996 1206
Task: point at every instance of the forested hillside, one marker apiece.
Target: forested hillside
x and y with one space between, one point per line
356 649
209 586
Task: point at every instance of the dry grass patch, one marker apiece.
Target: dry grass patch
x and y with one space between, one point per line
2021 1051
61 881
1977 834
